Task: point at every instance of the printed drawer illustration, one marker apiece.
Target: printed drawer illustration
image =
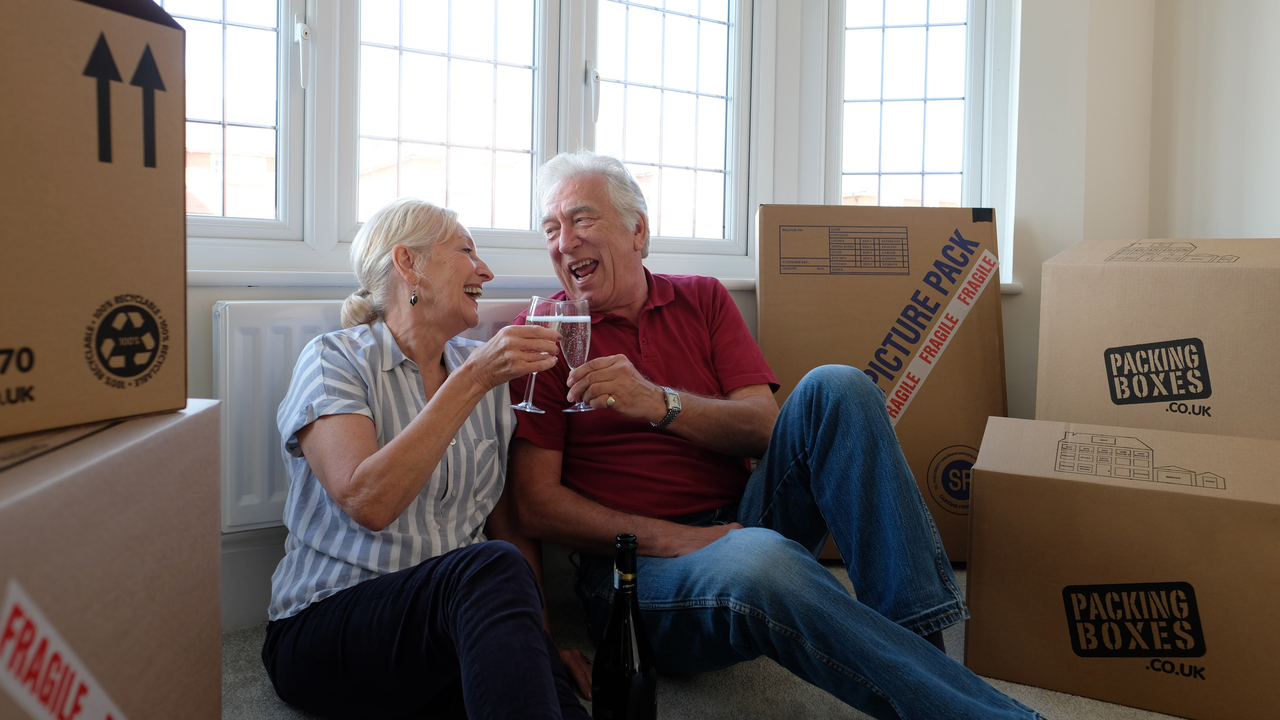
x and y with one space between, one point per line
1117 456
835 250
1167 251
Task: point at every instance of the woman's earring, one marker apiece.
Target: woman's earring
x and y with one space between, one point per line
413 299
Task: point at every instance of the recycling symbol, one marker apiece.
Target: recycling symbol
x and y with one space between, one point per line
126 341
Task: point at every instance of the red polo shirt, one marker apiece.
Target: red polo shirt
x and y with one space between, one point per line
691 337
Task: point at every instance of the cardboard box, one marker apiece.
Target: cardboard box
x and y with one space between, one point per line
911 296
91 200
109 574
1139 567
1166 334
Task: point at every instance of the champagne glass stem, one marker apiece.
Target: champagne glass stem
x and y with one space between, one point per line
528 391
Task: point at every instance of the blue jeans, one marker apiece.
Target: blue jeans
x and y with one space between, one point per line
833 460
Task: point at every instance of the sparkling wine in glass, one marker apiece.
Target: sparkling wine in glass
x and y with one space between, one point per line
575 338
542 312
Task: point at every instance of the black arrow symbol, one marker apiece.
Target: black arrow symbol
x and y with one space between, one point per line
103 67
147 77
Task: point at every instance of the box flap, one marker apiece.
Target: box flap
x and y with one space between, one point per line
1211 466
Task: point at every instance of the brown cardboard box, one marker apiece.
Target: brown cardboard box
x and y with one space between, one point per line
1166 334
109 564
91 200
1139 567
910 295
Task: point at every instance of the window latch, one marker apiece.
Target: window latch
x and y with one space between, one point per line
302 36
593 79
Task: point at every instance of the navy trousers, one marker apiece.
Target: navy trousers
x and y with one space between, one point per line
457 636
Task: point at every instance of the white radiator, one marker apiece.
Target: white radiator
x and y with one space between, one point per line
255 346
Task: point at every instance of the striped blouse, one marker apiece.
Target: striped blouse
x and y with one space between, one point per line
361 370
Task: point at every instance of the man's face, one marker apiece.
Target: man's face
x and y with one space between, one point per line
596 256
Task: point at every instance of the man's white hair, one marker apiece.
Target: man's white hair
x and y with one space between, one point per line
624 191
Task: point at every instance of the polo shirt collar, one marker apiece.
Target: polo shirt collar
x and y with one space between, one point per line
661 292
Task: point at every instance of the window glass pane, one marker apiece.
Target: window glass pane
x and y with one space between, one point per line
251 93
860 190
671 136
861 132
207 9
515 31
426 25
644 46
470 186
380 21
917 142
904 63
905 12
471 103
379 88
863 13
251 172
944 136
902 140
422 172
424 94
231 81
461 134
204 70
379 175
946 61
948 11
471 29
680 53
679 115
709 206
204 169
252 12
862 64
900 190
942 190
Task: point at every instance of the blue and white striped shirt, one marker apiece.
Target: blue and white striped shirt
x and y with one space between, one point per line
361 370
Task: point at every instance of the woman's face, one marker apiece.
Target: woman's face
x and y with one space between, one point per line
453 276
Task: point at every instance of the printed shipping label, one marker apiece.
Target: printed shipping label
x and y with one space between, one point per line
39 670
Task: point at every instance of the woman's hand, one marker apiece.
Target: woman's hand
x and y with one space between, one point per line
579 668
515 351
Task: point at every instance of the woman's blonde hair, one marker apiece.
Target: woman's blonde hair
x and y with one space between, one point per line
414 223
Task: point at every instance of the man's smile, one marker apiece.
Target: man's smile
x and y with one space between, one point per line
583 268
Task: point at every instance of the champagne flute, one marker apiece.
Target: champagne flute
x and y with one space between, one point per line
575 338
542 312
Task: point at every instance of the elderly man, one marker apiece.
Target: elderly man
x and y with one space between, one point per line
728 571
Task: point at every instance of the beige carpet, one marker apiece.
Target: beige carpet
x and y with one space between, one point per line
757 690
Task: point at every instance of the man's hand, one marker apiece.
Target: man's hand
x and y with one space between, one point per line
614 376
579 668
683 539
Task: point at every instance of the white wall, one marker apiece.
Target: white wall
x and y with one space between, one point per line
1215 161
1084 133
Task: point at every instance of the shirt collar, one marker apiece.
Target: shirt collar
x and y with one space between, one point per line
661 292
393 356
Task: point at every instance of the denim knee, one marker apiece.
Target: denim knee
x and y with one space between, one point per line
757 562
831 383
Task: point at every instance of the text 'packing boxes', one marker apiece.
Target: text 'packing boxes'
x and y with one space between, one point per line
109 571
1139 567
91 200
1167 334
912 297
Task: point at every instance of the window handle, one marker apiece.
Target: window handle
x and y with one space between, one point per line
302 36
593 79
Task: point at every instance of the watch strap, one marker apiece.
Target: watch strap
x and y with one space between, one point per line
672 399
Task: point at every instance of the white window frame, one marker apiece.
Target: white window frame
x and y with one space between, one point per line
310 244
990 113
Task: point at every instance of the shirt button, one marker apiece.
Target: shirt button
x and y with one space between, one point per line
453 441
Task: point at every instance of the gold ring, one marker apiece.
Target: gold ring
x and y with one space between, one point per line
610 401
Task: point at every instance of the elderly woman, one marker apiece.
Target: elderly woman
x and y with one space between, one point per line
390 600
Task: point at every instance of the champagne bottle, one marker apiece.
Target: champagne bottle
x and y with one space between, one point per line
624 682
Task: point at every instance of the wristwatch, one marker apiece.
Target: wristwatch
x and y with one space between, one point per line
672 399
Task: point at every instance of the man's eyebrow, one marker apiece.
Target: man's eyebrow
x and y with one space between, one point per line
584 208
